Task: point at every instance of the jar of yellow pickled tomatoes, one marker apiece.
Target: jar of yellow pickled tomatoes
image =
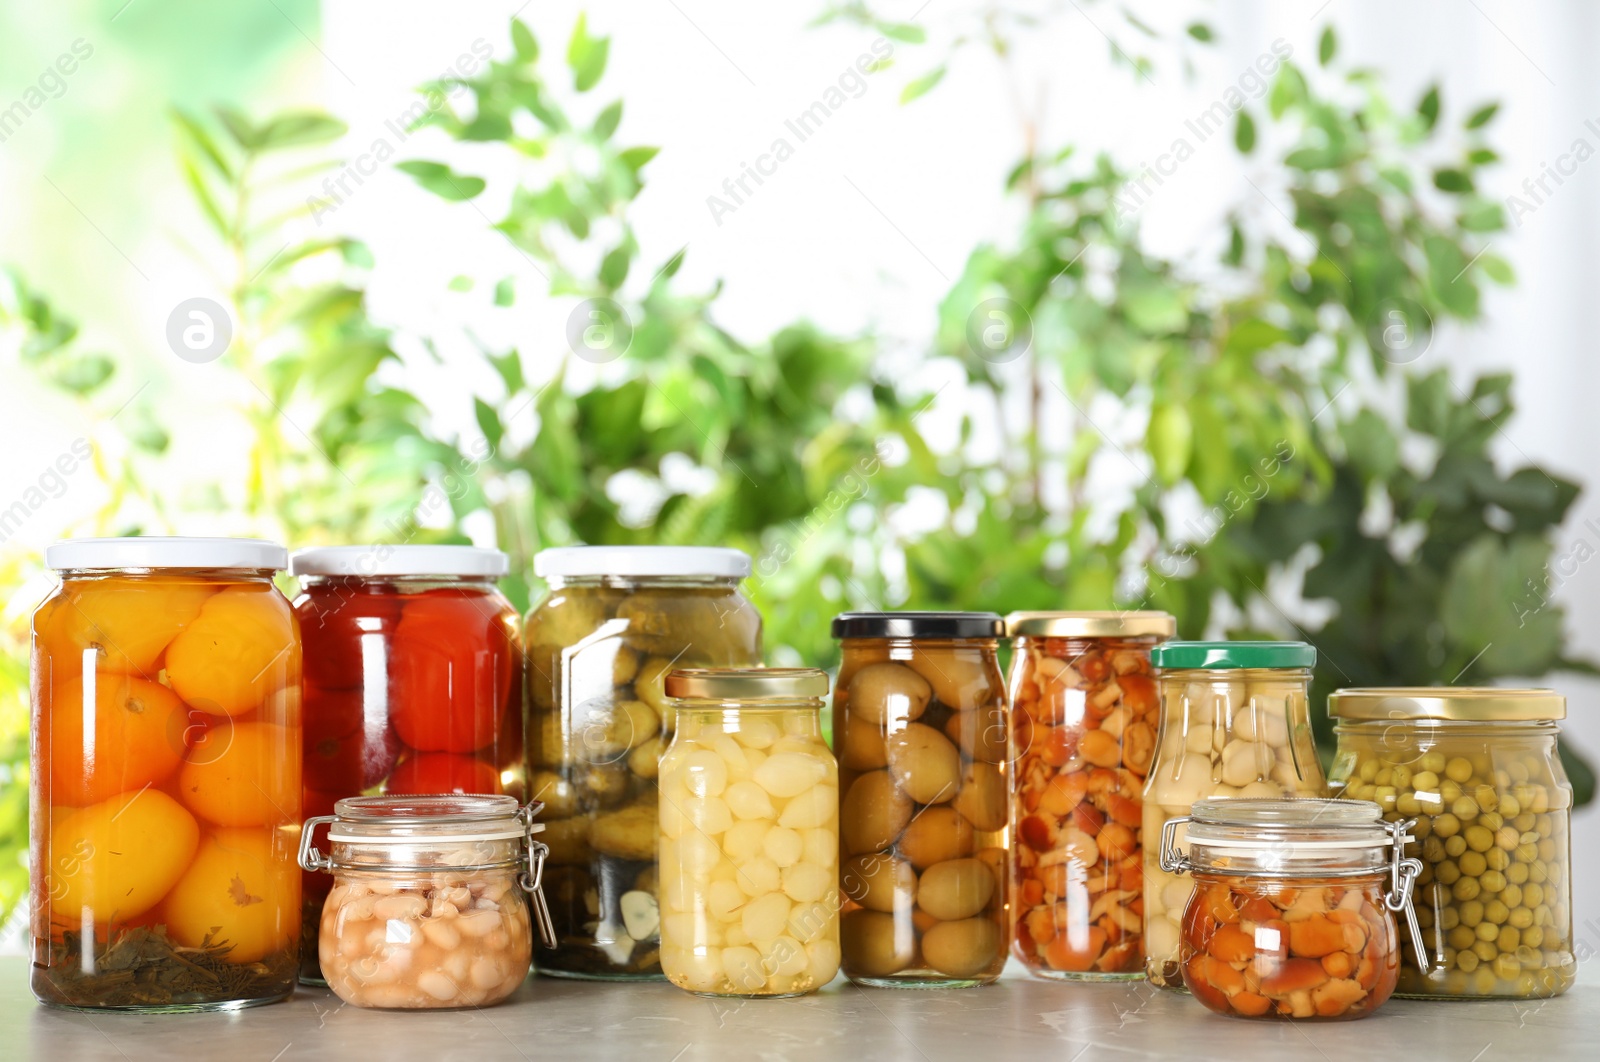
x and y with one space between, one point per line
165 788
749 818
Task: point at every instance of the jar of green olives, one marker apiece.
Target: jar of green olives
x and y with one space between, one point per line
617 619
1478 769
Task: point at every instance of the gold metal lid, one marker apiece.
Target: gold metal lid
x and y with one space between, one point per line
746 683
1115 624
1478 704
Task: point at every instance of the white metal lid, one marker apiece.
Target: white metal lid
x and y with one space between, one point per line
641 560
165 552
380 559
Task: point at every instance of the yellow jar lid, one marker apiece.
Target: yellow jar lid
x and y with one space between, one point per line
1113 624
1478 704
745 683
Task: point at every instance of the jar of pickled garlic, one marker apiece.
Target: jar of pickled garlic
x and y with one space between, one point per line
1234 723
429 904
1479 770
413 681
599 646
749 821
1085 716
165 780
1291 914
921 727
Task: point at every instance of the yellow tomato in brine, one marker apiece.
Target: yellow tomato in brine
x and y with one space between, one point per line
243 890
244 774
125 623
239 649
114 860
125 735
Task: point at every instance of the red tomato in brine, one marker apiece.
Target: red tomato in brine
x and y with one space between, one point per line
334 620
452 667
443 772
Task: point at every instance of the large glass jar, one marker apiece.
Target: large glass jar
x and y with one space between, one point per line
599 646
1234 723
921 728
429 905
165 792
1478 769
749 834
1290 915
413 666
1086 716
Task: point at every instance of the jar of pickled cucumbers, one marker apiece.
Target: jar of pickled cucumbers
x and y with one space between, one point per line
921 728
599 646
165 791
1478 769
1292 910
1234 723
413 681
429 905
1086 715
749 834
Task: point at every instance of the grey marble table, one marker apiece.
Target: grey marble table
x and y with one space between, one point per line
555 1021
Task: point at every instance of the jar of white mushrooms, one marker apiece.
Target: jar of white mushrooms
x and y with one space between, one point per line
429 907
1235 722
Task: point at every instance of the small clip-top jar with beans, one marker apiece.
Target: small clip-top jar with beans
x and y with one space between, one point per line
1291 914
1479 770
1234 723
922 731
428 907
749 822
1085 714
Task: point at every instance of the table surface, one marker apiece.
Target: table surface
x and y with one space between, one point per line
557 1020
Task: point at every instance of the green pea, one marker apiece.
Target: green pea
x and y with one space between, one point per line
1506 967
1525 821
1486 796
1458 769
1509 939
1447 872
1425 917
1509 806
1483 981
1518 772
1466 961
1464 807
1547 849
1465 888
1433 850
1386 797
1432 761
1497 858
1538 873
1401 778
1532 935
1491 881
1385 776
1507 838
1450 917
1448 825
1511 895
1369 770
1449 791
1408 804
1461 938
1424 779
1517 873
1455 846
1471 913
1533 894
1487 931
1496 911
1472 864
1484 949
1527 851
1491 820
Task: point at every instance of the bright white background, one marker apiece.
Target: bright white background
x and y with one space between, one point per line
872 219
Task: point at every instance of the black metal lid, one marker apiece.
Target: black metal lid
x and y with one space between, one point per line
931 625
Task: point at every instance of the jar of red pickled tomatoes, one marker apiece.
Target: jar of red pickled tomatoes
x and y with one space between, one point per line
413 681
165 778
1086 717
1292 910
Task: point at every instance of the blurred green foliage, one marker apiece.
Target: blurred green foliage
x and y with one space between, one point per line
1227 425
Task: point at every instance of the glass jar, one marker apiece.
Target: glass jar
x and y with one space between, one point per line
427 908
165 792
921 728
749 834
413 667
1086 716
1478 769
1234 723
1290 914
616 620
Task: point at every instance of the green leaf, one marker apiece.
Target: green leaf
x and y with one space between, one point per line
488 422
438 178
921 85
298 129
509 366
1327 45
635 157
1482 116
1457 182
460 283
523 40
356 253
586 55
204 142
614 268
673 264
202 194
1428 108
239 127
83 374
608 120
1200 32
505 292
1497 269
1492 605
1244 132
1371 446
905 32
1482 156
1170 439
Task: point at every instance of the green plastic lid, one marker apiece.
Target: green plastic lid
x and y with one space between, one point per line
1225 655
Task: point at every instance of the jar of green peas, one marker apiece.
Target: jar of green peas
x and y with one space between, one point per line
1478 769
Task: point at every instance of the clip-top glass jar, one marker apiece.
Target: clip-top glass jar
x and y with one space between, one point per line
1478 769
1086 717
1290 915
749 834
922 730
1235 722
616 620
165 792
427 908
413 665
